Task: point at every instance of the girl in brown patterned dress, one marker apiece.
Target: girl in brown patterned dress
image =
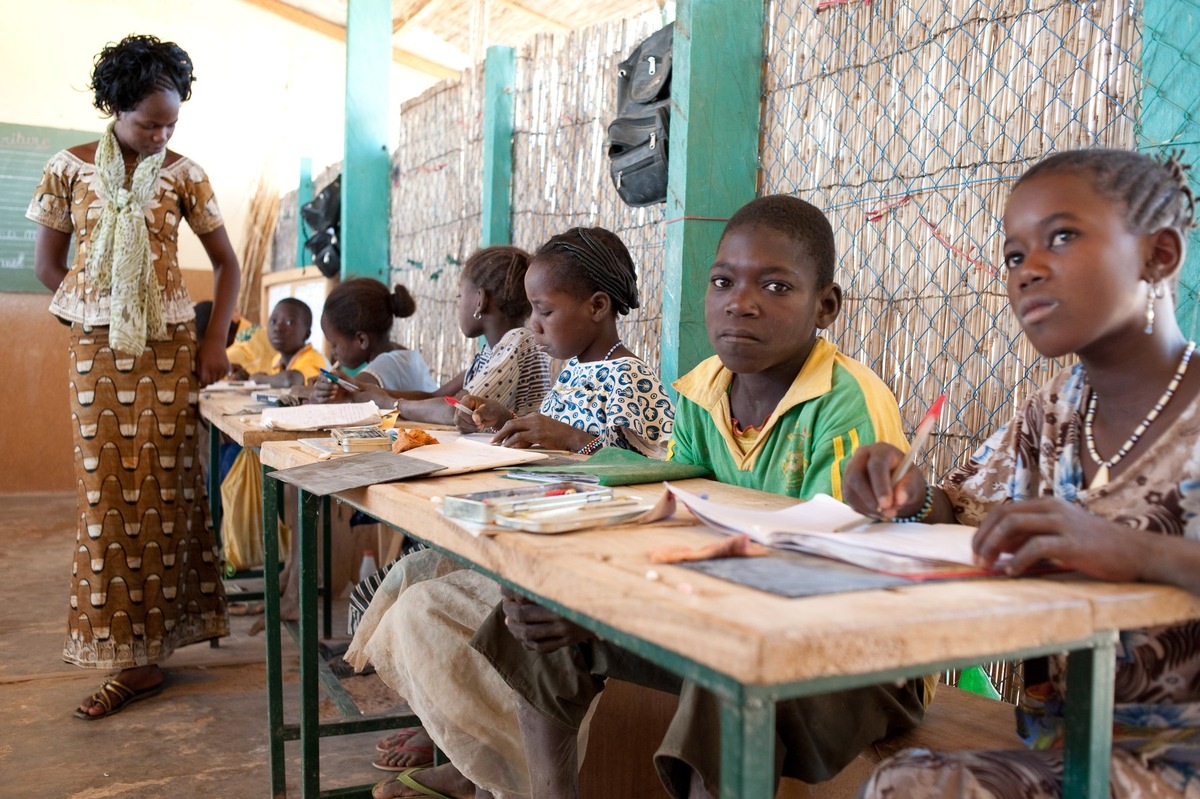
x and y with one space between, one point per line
1099 471
145 578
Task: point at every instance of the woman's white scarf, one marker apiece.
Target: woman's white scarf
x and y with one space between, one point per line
118 258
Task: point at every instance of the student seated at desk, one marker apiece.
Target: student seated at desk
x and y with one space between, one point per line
241 483
509 369
250 350
357 323
780 409
288 330
418 628
1099 471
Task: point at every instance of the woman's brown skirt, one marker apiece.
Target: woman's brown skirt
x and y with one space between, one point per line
145 576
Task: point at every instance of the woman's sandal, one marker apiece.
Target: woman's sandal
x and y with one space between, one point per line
406 779
113 696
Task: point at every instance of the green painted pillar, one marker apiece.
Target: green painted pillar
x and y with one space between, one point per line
304 195
716 89
366 167
498 71
1171 116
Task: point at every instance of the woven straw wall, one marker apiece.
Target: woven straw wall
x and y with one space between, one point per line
565 98
908 122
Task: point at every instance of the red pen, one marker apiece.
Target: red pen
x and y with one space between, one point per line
458 406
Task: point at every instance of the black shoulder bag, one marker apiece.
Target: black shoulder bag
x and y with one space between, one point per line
637 138
323 215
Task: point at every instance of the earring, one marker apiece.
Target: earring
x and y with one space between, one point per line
1154 291
477 314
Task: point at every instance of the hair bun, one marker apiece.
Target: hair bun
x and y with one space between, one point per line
403 304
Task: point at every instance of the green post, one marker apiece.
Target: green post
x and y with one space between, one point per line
1171 116
304 195
716 88
366 167
496 221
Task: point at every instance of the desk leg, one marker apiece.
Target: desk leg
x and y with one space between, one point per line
327 567
214 481
310 732
747 749
272 490
1090 682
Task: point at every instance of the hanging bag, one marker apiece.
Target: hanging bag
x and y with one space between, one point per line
637 138
323 215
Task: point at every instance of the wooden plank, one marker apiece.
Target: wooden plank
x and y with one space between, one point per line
713 169
758 638
496 216
320 25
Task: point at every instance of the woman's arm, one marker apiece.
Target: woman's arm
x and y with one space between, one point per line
211 362
50 248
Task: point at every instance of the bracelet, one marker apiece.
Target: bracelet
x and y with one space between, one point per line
923 513
590 447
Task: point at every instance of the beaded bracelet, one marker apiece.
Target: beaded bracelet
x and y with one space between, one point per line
922 514
591 446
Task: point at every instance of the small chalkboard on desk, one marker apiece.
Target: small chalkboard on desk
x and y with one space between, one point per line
24 151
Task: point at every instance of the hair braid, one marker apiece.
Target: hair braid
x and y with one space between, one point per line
595 259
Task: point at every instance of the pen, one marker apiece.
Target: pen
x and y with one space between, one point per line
919 438
458 406
339 381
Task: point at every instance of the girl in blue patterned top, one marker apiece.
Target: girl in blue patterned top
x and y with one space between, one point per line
578 283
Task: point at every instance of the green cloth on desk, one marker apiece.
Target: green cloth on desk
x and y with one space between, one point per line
613 466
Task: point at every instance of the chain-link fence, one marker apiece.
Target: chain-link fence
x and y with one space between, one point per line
908 122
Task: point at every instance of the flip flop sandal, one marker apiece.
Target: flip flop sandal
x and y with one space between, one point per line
382 764
395 739
113 696
406 779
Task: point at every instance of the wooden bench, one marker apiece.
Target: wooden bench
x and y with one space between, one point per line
631 720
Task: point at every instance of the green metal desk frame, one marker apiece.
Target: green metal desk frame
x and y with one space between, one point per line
747 711
314 672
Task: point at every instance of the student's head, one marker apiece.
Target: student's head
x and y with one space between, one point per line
770 288
142 82
290 326
577 284
203 311
358 315
1089 236
492 282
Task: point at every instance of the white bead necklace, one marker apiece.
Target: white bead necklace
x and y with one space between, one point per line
611 350
1101 477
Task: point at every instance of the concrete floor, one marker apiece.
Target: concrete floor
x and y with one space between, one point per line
205 736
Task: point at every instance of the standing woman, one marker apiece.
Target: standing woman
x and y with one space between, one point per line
144 577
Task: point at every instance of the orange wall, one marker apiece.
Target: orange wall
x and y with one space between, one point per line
35 429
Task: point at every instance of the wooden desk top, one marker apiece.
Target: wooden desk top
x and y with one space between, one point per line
755 637
236 415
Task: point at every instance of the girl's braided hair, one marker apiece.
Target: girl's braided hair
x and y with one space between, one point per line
500 271
136 67
1154 193
587 260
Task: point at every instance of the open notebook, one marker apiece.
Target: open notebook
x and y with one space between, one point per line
915 551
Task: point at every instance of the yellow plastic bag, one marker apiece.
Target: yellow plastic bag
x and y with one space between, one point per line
241 523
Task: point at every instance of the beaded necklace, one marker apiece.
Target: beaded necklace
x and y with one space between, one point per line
611 350
1101 477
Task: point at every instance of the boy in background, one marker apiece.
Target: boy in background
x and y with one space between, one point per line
288 331
778 409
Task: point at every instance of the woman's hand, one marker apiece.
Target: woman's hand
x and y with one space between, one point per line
1052 529
536 627
211 362
867 484
536 430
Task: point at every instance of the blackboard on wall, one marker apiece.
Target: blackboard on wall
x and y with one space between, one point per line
24 151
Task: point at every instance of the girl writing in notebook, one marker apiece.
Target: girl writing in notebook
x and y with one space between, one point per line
510 368
1099 471
424 615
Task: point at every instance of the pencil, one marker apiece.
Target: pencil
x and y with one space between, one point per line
339 381
458 406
